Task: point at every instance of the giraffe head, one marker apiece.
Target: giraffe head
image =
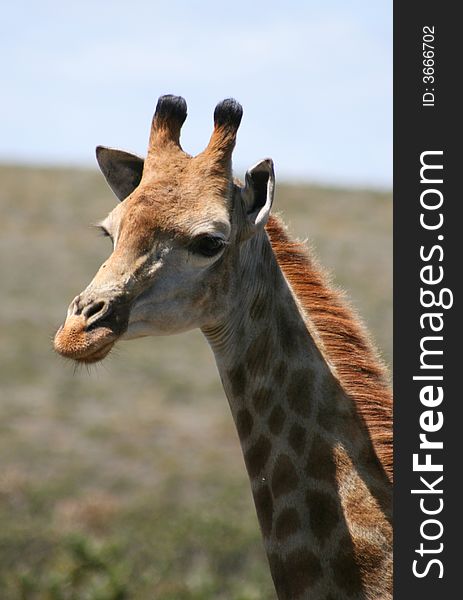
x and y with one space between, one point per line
175 235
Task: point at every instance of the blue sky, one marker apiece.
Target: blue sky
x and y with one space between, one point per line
314 78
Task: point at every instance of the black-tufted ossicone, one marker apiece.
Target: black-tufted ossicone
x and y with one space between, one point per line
169 116
171 108
228 113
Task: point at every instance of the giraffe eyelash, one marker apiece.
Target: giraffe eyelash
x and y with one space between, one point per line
104 232
207 245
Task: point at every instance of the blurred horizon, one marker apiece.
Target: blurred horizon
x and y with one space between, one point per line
285 181
315 82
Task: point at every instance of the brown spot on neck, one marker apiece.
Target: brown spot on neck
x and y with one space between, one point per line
276 420
244 423
287 523
296 574
238 379
258 356
297 438
324 514
346 571
264 508
280 372
262 399
257 456
284 477
300 392
320 463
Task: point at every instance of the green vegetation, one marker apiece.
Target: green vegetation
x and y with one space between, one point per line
126 481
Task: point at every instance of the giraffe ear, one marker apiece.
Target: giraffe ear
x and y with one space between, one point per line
122 170
258 192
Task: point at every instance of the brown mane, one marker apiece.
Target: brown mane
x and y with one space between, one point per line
344 338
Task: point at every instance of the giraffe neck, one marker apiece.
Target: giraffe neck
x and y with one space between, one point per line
321 496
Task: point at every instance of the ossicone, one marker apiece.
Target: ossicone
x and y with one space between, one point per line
228 113
227 119
169 116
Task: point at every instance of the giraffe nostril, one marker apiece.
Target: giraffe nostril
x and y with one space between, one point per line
95 311
75 307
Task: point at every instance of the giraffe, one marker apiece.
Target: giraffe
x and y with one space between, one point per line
194 247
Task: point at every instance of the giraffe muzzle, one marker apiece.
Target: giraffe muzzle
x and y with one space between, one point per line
91 329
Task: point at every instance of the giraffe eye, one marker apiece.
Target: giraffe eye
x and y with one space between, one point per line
207 245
